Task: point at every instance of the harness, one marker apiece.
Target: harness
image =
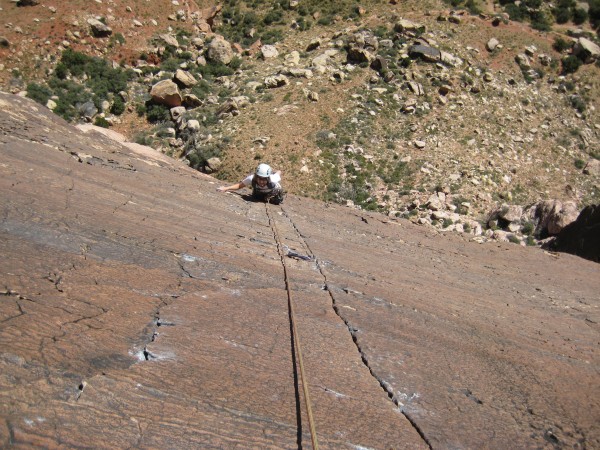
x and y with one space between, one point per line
261 191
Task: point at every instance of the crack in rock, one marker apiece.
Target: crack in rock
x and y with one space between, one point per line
354 334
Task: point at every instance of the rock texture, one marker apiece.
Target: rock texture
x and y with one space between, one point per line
141 308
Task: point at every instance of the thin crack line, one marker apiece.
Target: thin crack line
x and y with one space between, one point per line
382 383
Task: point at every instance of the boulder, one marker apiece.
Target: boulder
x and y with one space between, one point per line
220 51
269 51
4 42
213 164
492 44
177 113
98 28
362 47
404 25
87 110
511 213
551 216
586 50
581 237
191 101
425 52
233 105
184 79
561 217
166 93
276 81
299 73
169 39
592 167
360 55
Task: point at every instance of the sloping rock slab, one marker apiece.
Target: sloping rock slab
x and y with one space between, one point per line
141 308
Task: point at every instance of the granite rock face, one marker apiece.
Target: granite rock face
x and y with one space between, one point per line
141 308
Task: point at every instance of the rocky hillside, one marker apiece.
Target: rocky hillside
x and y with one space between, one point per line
465 120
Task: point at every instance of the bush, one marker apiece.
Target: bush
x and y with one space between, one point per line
157 113
39 93
540 21
118 106
560 45
214 70
594 12
69 94
562 15
580 16
473 7
578 103
101 122
515 12
60 71
528 228
579 163
571 64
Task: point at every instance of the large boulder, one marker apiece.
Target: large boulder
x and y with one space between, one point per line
166 93
581 237
98 28
425 52
551 216
184 79
586 50
220 51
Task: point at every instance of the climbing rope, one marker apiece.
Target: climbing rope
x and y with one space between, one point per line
311 421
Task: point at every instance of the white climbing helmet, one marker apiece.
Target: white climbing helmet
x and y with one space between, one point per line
264 170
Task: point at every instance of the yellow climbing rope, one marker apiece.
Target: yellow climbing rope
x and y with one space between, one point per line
311 421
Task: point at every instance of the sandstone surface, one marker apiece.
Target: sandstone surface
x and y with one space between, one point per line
141 308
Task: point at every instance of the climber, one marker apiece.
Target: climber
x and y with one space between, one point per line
265 185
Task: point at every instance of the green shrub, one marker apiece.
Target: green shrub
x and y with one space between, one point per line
170 64
60 71
473 7
271 36
579 163
562 15
214 70
157 113
580 16
118 106
515 12
39 93
514 239
69 94
594 12
571 64
540 21
101 122
578 103
560 45
528 228
272 17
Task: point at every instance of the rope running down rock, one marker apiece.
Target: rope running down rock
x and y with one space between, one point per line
311 422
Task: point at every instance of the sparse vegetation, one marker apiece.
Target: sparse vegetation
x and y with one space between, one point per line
359 139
